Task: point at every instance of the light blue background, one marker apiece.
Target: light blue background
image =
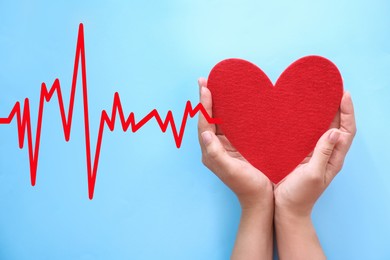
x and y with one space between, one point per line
152 200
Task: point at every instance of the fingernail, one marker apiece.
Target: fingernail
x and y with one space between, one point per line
334 136
206 137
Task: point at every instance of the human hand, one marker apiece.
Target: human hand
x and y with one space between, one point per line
297 193
251 186
253 189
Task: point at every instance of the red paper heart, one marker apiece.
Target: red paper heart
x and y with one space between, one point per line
275 127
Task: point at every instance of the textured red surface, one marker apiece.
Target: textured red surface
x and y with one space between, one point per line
275 126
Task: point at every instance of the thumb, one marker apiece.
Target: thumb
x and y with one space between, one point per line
214 150
324 149
215 156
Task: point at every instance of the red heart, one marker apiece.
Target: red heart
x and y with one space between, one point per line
275 127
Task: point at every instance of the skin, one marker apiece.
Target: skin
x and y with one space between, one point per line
286 206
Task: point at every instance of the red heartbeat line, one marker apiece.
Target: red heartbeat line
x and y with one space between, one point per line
23 117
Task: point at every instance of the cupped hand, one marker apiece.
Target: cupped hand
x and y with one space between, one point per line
250 185
297 193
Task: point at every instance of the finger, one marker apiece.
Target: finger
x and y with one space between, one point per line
323 151
348 128
337 158
206 101
215 156
336 120
202 82
347 114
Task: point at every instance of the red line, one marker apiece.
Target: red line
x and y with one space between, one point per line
24 118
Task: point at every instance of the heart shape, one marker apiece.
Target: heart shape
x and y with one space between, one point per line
275 127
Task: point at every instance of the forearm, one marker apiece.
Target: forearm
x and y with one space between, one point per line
296 237
255 234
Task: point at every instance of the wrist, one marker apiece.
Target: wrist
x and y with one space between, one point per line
292 209
291 222
296 236
263 200
285 218
255 234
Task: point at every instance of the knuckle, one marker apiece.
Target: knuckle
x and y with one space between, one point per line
338 167
209 164
316 179
326 150
204 160
212 153
315 176
354 131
